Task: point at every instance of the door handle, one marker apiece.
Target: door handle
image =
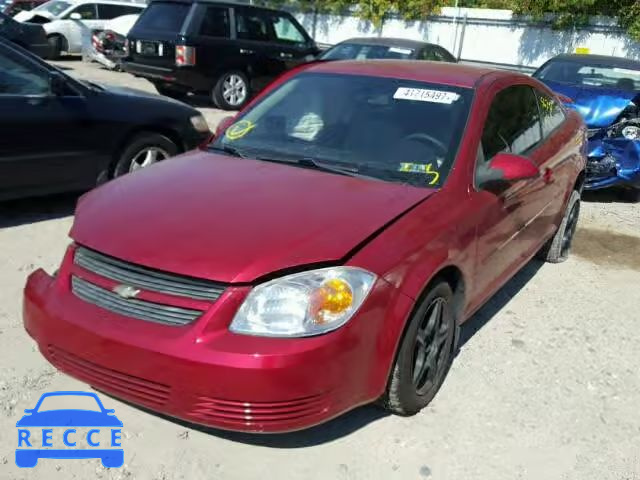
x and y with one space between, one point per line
548 175
286 55
244 51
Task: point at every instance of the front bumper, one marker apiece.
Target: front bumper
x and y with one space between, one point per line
204 374
613 162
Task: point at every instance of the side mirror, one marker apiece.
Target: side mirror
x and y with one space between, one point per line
225 123
75 16
28 410
506 168
57 84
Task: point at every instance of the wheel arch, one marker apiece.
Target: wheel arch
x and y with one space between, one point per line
580 180
65 43
168 132
453 275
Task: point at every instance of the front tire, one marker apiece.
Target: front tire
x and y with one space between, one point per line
231 91
144 150
557 249
55 46
425 354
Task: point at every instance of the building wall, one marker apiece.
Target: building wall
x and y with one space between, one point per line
483 35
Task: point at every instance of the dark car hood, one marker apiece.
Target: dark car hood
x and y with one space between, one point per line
132 92
600 107
235 220
66 418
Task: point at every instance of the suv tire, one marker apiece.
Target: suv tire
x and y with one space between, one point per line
231 91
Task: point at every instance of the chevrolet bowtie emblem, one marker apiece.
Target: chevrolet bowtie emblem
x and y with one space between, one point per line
125 291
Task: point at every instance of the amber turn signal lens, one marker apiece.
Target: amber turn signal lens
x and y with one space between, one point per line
335 296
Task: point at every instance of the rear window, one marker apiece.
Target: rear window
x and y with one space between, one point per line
356 51
165 17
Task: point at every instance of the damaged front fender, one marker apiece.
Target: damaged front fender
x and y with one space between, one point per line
612 161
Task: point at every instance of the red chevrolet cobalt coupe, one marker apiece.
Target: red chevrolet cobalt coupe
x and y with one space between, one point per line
321 253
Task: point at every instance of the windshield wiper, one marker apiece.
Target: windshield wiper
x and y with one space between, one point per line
350 171
228 149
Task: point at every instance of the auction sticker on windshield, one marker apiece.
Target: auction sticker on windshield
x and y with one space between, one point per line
425 95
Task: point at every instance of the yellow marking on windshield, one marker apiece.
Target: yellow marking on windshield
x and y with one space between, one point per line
239 129
425 168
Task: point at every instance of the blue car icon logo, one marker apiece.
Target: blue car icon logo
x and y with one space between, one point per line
91 431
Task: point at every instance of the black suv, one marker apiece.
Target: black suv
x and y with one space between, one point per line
227 50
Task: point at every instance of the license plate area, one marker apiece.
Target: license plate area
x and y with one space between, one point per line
150 49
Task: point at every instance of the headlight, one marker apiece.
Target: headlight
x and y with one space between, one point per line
199 123
631 132
304 304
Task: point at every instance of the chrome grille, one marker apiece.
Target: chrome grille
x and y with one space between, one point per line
146 278
135 308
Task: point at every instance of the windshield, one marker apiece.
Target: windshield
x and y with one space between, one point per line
356 51
67 402
390 129
591 75
54 8
163 16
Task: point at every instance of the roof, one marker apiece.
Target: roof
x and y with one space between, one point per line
226 3
433 72
620 62
387 41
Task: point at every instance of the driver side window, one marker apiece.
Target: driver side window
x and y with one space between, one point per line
20 79
513 123
87 11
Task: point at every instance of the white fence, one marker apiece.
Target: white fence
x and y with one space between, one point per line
483 35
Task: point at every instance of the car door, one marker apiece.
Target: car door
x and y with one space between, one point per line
252 40
217 52
78 32
46 141
289 45
509 216
557 151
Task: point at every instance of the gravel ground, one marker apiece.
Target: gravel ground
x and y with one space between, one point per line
546 385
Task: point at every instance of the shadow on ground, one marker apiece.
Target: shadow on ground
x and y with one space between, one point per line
38 209
350 422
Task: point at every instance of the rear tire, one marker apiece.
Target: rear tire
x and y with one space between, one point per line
143 150
55 46
425 353
557 249
231 91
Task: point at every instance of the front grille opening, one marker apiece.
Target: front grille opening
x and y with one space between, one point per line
147 278
132 307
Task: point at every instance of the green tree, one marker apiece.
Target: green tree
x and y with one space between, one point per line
566 13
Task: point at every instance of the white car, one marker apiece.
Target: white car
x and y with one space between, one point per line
116 31
69 23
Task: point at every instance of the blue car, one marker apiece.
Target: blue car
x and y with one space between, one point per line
606 91
35 430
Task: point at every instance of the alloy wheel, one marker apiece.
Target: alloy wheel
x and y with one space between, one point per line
429 355
147 156
234 90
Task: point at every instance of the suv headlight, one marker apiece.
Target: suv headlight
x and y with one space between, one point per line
631 132
200 123
304 304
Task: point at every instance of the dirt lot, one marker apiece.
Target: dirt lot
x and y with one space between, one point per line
546 386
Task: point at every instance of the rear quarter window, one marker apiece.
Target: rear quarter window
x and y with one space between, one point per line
163 17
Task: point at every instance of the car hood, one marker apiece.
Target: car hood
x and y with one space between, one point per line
234 220
29 15
600 107
69 418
